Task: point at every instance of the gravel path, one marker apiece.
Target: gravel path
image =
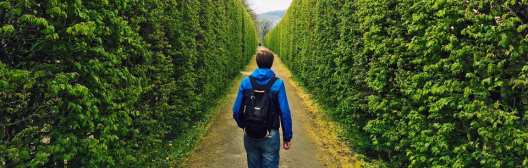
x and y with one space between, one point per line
222 147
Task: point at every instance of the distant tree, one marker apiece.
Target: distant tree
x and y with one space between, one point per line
264 27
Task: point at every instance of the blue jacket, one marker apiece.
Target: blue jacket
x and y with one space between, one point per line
263 75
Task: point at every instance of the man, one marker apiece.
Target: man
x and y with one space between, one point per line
260 104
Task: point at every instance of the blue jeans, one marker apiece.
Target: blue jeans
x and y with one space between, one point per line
264 152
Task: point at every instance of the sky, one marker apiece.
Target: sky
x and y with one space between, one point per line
263 6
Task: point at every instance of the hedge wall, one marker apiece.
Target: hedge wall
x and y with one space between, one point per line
109 83
432 83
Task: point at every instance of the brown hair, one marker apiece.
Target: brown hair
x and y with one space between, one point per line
264 58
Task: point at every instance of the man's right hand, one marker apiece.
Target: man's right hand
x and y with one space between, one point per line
286 145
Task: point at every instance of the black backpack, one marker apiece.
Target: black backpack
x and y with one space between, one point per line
258 109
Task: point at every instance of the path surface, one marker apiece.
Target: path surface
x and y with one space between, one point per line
222 147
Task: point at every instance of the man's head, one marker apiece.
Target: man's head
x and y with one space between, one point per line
264 58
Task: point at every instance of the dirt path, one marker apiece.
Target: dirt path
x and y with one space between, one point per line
222 147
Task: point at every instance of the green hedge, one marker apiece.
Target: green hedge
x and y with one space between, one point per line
432 83
109 83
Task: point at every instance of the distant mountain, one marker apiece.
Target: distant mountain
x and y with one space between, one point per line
266 21
273 16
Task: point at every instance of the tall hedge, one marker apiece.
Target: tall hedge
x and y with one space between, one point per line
108 83
432 83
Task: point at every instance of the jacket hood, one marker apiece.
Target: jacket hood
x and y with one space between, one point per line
263 74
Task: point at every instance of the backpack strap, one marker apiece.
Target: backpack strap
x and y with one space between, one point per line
270 83
268 90
254 84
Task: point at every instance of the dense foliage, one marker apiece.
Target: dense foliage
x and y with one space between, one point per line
107 83
432 83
